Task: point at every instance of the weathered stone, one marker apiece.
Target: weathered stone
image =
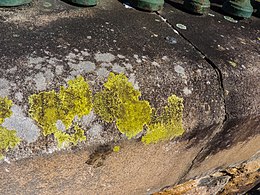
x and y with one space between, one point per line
236 179
43 50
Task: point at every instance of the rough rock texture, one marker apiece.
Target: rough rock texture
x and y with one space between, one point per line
213 65
235 179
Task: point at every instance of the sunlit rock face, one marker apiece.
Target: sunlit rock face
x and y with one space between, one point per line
109 100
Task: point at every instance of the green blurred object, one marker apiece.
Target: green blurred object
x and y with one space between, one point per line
9 3
84 2
197 6
148 5
238 8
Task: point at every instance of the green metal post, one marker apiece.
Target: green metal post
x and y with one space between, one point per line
84 2
10 3
239 8
197 6
148 5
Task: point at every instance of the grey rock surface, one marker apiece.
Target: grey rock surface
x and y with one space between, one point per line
44 47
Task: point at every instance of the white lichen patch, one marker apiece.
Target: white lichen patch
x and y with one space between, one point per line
104 57
40 81
87 120
103 72
85 53
94 134
128 66
60 126
82 67
137 59
179 69
48 75
156 64
106 64
118 69
12 70
18 96
71 57
37 60
187 91
120 56
132 79
58 69
166 58
24 126
5 87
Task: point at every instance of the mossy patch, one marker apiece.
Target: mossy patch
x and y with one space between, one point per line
119 102
70 102
8 138
168 124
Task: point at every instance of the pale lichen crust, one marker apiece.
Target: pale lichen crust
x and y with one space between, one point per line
167 125
119 102
70 102
8 138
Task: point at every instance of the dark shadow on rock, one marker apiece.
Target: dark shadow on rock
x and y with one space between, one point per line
75 4
219 2
180 7
97 158
217 7
255 190
199 134
234 131
133 5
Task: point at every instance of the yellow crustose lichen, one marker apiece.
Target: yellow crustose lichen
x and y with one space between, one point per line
168 124
49 107
8 138
119 102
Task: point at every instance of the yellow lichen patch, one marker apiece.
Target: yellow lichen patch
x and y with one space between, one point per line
76 99
168 124
234 64
49 107
64 138
8 138
116 148
119 102
78 136
5 109
46 109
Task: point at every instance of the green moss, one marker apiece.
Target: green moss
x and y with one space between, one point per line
116 148
168 124
49 107
119 102
8 138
